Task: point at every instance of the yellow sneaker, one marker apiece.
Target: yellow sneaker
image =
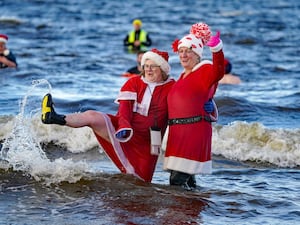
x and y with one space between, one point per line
49 116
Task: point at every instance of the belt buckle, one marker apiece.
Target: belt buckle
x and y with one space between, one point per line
196 119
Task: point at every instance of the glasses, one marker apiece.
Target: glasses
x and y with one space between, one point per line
150 67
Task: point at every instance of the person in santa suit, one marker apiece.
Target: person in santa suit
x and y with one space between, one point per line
188 148
125 137
7 58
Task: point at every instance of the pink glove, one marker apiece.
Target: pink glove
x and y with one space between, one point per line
214 40
215 43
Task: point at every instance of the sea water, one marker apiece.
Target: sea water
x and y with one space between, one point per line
53 174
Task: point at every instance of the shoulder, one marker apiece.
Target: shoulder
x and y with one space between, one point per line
203 65
230 79
136 80
169 82
133 82
172 81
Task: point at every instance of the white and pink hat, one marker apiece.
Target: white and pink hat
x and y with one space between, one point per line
3 38
199 35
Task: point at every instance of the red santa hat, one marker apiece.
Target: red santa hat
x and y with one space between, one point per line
159 57
199 35
3 38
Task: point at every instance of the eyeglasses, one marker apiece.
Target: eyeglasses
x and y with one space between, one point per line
151 67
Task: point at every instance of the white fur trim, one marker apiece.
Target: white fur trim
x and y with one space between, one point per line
117 147
203 62
3 40
143 107
159 60
215 115
126 95
217 48
187 165
125 139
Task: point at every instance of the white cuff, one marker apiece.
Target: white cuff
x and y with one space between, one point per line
217 48
127 138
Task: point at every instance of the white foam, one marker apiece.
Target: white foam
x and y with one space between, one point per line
252 141
24 134
23 152
73 139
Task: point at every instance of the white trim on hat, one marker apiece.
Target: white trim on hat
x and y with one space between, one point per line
159 60
4 40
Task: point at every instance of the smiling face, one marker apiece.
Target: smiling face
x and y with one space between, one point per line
153 72
188 58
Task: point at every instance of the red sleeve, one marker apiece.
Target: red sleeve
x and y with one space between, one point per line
213 90
125 113
218 65
213 72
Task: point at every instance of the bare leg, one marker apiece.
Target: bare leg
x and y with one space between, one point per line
90 118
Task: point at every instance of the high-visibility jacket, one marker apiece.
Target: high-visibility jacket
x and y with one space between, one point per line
142 38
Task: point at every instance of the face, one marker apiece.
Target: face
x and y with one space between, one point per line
153 72
2 47
188 58
136 26
139 58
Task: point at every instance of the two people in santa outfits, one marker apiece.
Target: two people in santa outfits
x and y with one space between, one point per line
149 103
125 136
7 58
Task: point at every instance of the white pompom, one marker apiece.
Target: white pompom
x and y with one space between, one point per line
6 52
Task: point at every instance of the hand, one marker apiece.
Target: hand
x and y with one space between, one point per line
123 134
137 43
214 40
209 106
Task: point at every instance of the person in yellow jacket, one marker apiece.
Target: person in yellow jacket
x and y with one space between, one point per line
137 39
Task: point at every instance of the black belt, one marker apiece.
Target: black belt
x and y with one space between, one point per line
188 120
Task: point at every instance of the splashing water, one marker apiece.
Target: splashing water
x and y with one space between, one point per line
23 152
22 137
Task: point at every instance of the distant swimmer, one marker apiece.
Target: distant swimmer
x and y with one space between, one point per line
7 59
137 39
228 77
136 70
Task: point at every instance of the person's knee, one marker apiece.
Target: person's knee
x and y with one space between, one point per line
93 115
95 118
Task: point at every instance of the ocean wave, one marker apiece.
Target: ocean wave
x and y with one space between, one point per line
10 21
239 141
244 141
